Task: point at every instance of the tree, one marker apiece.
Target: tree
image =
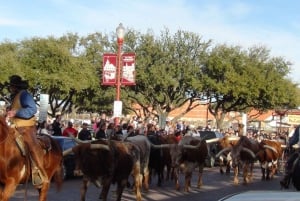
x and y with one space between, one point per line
97 97
241 80
8 64
168 71
57 66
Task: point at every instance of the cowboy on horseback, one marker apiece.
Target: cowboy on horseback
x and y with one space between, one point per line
22 117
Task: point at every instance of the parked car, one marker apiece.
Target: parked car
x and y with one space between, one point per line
69 161
210 134
212 148
262 196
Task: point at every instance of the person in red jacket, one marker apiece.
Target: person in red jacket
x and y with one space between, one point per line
70 131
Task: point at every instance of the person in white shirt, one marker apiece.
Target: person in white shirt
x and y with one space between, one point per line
42 128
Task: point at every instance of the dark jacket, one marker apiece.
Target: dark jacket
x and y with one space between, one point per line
100 134
56 128
295 137
84 134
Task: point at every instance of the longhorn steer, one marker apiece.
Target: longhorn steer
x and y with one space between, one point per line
109 162
144 146
269 154
156 160
167 159
161 158
226 142
243 153
189 153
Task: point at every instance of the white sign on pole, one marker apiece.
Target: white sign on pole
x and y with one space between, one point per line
43 113
117 108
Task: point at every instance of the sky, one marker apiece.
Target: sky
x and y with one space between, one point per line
274 24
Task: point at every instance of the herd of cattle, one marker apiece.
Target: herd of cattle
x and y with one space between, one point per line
106 162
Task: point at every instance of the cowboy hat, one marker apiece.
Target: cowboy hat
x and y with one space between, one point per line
16 81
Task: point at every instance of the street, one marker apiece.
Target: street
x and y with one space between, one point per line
215 187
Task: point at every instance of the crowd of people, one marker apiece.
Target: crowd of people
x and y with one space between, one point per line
104 128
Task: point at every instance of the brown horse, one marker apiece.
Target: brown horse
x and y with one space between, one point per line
15 167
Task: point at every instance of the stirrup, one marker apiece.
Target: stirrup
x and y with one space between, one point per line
36 176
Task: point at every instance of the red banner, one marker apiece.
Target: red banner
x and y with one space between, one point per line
109 69
128 73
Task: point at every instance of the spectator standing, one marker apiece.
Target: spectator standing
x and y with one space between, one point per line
102 119
56 126
130 131
124 128
70 130
167 126
84 133
42 128
151 130
110 131
101 133
118 132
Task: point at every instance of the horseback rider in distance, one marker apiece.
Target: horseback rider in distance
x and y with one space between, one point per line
22 117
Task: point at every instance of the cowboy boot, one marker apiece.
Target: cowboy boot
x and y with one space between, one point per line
39 174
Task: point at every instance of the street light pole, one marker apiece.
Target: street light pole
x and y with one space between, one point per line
120 37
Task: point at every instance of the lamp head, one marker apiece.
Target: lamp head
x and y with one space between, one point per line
120 32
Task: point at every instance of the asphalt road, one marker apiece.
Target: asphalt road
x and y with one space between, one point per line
215 187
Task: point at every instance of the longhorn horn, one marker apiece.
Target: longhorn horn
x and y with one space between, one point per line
92 146
209 141
67 151
100 146
249 151
296 146
78 141
188 146
272 148
160 146
283 146
232 138
222 151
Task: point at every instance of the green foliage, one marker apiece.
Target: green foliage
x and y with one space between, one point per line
172 70
241 80
168 71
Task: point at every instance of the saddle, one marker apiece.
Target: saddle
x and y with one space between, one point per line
43 140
